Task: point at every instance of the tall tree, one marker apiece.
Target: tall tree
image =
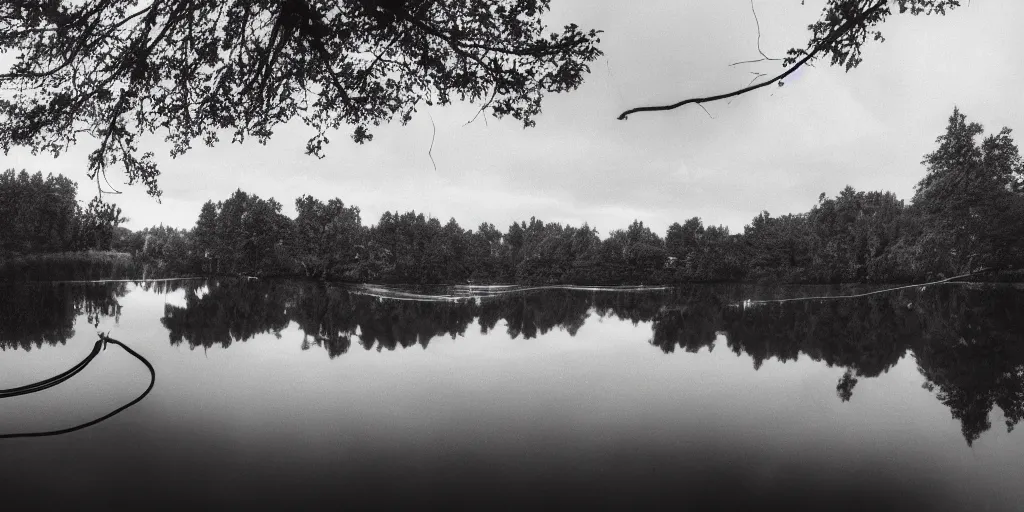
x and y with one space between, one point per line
327 236
485 252
204 236
971 194
37 214
98 224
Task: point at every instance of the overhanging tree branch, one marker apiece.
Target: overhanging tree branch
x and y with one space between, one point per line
823 45
118 70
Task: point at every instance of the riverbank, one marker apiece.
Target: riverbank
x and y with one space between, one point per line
69 265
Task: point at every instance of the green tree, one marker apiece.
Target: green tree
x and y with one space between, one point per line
265 238
645 253
37 214
252 236
681 244
455 249
485 253
99 221
204 237
971 196
327 236
851 236
719 256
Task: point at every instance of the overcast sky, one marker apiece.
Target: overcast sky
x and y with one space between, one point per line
776 149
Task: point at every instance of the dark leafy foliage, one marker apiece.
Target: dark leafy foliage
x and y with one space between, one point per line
845 25
115 70
43 215
971 195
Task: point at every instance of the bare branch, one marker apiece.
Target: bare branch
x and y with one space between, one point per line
836 34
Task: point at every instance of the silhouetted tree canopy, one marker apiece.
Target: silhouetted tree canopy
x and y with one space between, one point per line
118 69
972 195
43 215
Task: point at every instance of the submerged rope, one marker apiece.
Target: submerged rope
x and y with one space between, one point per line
53 381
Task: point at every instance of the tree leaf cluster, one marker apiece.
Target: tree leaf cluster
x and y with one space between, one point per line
192 70
43 215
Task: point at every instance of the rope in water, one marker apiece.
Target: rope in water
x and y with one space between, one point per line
947 280
53 381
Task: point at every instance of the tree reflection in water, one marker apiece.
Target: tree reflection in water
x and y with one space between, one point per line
45 313
966 339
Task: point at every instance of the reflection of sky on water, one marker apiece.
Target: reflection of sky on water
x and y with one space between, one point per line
266 422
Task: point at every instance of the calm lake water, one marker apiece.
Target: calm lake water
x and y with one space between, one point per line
295 394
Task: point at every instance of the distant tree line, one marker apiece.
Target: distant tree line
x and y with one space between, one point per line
967 213
43 215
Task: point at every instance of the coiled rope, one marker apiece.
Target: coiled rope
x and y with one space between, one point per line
100 345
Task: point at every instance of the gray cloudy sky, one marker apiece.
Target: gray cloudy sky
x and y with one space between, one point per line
775 149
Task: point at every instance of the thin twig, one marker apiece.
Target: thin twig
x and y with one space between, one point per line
759 50
430 152
482 107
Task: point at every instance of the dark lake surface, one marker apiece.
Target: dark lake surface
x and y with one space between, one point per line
295 394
